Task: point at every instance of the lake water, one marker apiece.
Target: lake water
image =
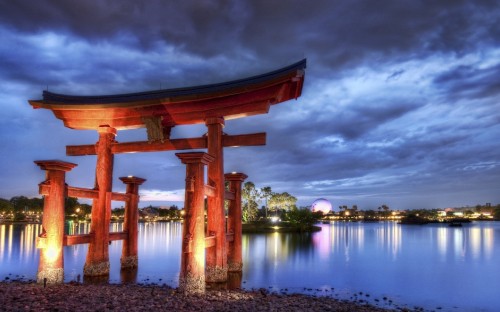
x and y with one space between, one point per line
432 266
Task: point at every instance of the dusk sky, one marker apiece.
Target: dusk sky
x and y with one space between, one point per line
400 106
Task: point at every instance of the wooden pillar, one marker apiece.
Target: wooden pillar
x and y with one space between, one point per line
192 276
216 257
234 258
97 262
129 259
50 242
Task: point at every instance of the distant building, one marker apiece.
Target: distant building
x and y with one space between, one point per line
149 213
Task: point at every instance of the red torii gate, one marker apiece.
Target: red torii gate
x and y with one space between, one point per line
159 111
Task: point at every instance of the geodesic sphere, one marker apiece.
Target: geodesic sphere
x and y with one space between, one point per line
322 205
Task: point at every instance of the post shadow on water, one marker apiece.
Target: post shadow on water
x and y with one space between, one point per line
96 280
233 282
288 244
128 276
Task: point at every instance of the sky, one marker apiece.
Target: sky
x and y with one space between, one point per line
400 104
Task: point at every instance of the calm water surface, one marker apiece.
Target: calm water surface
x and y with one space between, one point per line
431 266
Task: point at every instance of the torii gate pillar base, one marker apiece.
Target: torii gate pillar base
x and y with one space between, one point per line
51 241
192 275
96 269
129 262
129 259
234 257
216 274
50 276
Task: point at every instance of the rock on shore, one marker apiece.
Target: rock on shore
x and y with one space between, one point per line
21 296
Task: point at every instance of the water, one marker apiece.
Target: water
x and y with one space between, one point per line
433 266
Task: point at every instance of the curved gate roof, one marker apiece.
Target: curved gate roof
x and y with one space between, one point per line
179 106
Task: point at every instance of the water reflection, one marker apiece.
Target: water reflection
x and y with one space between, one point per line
347 237
17 243
76 228
465 242
438 265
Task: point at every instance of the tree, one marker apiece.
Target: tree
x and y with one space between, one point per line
250 197
118 212
345 208
386 210
85 209
370 214
22 203
496 213
355 210
302 217
70 205
266 193
5 205
281 201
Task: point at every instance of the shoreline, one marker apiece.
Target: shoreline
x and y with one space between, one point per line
29 296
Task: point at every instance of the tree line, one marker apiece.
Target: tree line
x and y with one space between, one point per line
20 205
273 202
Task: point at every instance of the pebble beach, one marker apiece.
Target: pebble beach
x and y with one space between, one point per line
29 296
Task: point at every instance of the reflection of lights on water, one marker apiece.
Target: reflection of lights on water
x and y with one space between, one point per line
458 240
475 242
2 239
389 238
442 241
488 241
9 245
481 242
276 235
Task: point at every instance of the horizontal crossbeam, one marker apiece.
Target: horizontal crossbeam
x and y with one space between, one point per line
254 139
80 192
70 240
210 241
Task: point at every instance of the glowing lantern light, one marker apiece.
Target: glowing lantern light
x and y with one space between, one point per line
322 205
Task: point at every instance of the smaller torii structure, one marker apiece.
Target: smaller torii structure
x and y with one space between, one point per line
207 256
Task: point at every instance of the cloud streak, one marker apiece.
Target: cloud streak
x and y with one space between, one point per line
401 102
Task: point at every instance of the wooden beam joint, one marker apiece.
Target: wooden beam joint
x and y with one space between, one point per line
209 190
229 195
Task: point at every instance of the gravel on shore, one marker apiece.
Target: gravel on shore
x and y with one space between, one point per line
23 296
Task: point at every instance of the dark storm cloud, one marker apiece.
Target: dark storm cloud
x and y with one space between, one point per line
334 34
468 81
400 97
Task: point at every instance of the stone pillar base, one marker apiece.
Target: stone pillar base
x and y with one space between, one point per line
192 285
235 267
96 269
216 274
50 276
129 262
